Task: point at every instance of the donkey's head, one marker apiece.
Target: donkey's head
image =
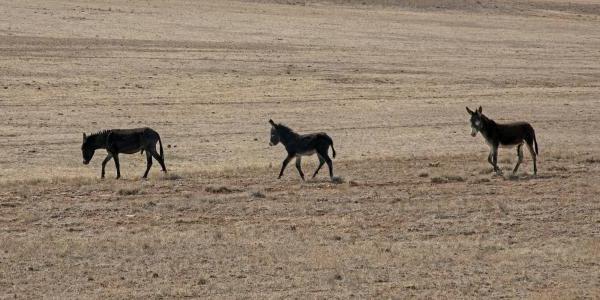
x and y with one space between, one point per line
476 120
274 134
87 149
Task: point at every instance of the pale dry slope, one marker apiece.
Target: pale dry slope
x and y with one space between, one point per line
208 75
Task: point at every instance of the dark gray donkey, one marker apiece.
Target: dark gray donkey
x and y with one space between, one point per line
298 145
126 141
504 135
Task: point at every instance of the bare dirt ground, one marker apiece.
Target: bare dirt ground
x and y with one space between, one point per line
417 212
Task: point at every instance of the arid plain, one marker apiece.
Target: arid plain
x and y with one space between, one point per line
416 211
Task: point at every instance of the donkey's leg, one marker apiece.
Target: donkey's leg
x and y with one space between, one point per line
117 165
495 160
299 166
490 158
520 159
329 164
148 163
158 158
285 162
108 158
533 157
321 163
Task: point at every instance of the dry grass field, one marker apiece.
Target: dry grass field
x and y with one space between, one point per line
416 211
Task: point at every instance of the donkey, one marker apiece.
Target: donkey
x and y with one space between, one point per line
298 145
504 135
126 141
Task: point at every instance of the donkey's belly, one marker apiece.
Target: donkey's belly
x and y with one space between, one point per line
131 151
306 153
508 146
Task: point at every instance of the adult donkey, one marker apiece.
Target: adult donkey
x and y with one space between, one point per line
126 141
298 145
504 135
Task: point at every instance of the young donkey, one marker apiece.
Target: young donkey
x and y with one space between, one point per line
504 135
126 141
298 145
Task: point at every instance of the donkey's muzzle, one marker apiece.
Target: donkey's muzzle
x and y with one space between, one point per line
86 162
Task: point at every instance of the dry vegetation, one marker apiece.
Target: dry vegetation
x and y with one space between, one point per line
415 210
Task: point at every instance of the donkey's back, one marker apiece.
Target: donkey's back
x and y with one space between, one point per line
512 134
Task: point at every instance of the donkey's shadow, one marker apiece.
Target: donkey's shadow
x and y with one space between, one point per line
528 177
336 180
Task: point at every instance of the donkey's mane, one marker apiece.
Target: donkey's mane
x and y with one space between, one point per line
284 130
101 132
487 120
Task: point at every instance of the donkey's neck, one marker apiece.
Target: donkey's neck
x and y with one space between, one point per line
98 140
488 128
287 136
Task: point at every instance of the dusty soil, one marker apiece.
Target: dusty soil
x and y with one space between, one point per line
416 210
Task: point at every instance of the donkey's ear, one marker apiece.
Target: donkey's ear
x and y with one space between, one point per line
469 110
479 110
84 137
272 123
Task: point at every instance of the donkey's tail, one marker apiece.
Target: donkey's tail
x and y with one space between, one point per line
162 155
333 149
537 152
331 144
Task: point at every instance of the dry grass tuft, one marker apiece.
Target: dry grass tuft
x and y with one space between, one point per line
258 194
172 176
558 168
128 191
354 183
447 179
220 190
423 174
481 180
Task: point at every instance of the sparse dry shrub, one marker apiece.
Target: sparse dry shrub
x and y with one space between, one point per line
558 168
220 190
481 180
258 194
128 191
447 179
172 176
423 174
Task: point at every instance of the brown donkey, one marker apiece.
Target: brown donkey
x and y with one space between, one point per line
504 135
298 145
126 141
